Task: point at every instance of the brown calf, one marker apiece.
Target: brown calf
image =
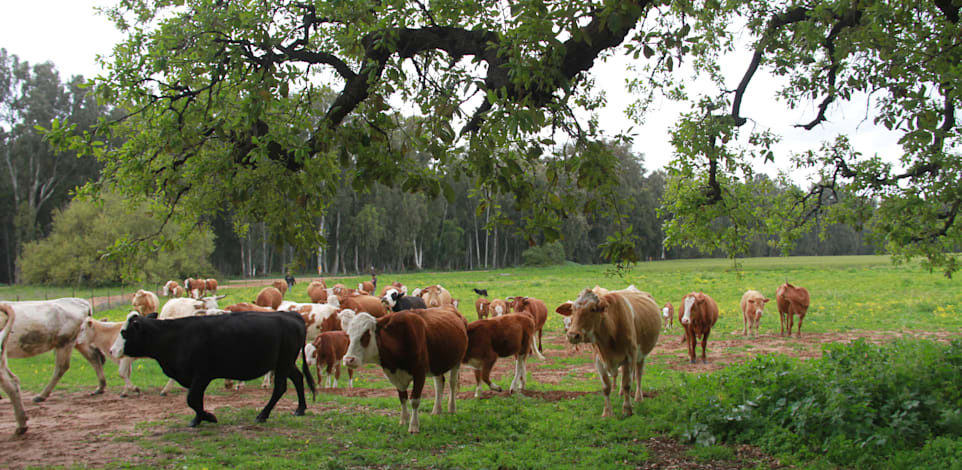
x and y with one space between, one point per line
211 285
538 312
329 348
489 339
317 292
269 297
481 307
791 300
364 303
280 285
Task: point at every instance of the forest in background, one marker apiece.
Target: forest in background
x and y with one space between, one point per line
376 227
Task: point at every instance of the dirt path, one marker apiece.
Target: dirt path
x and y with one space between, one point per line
73 429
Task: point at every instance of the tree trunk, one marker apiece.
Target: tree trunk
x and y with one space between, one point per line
337 243
494 256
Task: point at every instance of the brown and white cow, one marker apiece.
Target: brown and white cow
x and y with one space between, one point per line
101 335
195 287
409 346
247 307
211 285
489 339
481 307
269 297
667 315
538 312
697 316
624 327
498 307
173 289
791 300
41 326
403 289
365 303
753 305
329 349
9 382
435 296
145 302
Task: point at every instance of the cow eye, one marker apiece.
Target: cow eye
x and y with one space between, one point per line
366 338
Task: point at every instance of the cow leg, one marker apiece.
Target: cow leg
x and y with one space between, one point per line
438 394
639 372
268 380
791 323
124 370
11 386
704 343
537 348
96 360
626 382
455 376
692 340
516 380
477 380
486 375
415 425
280 386
298 379
195 400
168 386
402 396
800 318
60 367
337 372
350 378
784 321
605 386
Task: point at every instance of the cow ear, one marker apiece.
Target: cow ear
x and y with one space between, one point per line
766 299
564 309
602 302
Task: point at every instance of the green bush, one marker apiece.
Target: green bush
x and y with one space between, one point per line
548 254
860 405
73 253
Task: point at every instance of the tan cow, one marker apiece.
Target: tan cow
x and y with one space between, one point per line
280 285
624 327
317 291
365 303
9 382
435 296
791 300
145 302
269 297
102 335
481 307
498 307
753 305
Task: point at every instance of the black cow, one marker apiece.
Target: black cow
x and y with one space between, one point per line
397 301
240 346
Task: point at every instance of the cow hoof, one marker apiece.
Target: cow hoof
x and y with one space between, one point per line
299 412
123 394
20 431
260 419
194 422
97 392
38 399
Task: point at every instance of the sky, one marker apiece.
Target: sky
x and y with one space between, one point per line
71 34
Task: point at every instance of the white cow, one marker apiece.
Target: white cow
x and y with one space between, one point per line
53 324
8 381
101 335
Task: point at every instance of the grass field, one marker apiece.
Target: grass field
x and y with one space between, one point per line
849 294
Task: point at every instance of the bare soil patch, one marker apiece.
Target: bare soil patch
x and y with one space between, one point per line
79 429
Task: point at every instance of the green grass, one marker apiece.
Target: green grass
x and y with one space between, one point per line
848 293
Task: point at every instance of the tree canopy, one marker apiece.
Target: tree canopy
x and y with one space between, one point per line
259 106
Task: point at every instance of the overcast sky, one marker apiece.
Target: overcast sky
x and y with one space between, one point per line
71 34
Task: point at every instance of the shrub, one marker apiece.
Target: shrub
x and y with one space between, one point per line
548 254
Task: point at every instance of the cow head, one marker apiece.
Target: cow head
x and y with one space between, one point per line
755 306
346 316
211 301
498 307
362 331
687 304
587 313
129 339
389 299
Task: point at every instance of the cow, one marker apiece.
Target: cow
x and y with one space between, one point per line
697 316
791 301
364 303
248 307
329 349
269 297
396 301
240 346
753 305
410 345
369 287
53 324
624 327
100 335
188 307
195 287
435 296
173 289
317 291
481 307
280 285
211 285
9 382
498 307
489 339
668 315
403 289
145 302
539 313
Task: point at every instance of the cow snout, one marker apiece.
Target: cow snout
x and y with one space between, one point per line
351 362
685 321
575 337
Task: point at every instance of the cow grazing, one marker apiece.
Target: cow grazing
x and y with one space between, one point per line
481 307
435 296
100 335
667 315
753 305
329 349
317 291
280 285
489 339
697 316
173 289
145 302
365 303
53 324
269 297
396 301
538 312
410 345
211 285
498 307
9 382
791 301
240 346
195 287
624 327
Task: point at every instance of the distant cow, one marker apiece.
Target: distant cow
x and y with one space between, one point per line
698 315
8 380
489 339
269 297
410 345
791 300
329 349
753 305
195 287
211 285
481 307
101 335
239 346
538 312
145 302
172 289
624 327
317 291
364 303
396 301
435 296
667 315
403 289
499 307
280 285
53 324
188 307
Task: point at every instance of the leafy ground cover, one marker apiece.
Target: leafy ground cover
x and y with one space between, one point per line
684 419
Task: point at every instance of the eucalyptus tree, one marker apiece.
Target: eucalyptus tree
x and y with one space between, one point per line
221 97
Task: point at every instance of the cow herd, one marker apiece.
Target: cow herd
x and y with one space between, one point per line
410 337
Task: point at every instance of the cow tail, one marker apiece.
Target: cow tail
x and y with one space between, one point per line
307 375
